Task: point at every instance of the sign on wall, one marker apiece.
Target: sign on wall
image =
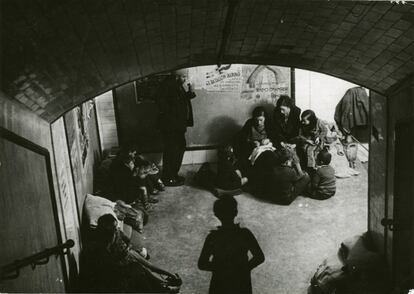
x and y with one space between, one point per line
227 78
66 189
265 82
257 82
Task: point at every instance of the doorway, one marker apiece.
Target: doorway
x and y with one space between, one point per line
403 206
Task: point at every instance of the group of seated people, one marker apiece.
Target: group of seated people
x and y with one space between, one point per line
280 157
111 261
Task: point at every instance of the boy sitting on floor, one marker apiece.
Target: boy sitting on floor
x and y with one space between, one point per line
323 183
288 182
141 173
229 176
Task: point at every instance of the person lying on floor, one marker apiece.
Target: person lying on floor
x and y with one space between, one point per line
323 182
113 265
287 181
229 176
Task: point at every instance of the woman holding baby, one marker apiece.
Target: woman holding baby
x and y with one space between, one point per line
255 148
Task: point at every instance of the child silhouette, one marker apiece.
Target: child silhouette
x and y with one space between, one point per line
225 252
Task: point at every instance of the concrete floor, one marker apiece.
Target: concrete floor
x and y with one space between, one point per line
295 239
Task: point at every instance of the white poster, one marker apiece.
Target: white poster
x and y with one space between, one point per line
226 78
66 189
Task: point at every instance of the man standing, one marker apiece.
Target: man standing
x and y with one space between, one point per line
176 114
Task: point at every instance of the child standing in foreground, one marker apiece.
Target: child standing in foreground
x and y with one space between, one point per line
323 183
225 252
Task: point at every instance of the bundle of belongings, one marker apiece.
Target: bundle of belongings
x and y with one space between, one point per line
206 178
358 270
352 111
96 206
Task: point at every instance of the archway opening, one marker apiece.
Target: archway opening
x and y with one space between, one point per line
300 235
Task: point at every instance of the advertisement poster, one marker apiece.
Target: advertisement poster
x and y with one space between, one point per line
258 82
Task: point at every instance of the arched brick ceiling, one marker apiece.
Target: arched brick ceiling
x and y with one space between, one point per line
56 54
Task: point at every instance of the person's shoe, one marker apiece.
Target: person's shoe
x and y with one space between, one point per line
154 192
153 200
160 186
144 252
173 182
148 207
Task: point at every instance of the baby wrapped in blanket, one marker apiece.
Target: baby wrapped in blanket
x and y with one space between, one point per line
262 146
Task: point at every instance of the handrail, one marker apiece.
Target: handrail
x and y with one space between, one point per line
12 270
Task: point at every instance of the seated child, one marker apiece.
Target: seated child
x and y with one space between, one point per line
226 252
288 182
140 174
123 184
229 176
261 146
323 183
154 182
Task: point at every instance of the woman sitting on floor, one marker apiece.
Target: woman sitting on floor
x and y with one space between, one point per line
255 130
311 139
286 121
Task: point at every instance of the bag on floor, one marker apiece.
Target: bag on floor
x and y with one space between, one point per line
205 177
327 278
134 217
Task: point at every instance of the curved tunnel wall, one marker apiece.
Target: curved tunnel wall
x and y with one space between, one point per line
56 55
59 54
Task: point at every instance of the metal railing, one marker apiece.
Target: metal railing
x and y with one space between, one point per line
12 270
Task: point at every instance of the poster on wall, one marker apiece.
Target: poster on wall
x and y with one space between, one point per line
264 82
253 82
226 78
76 152
147 88
66 189
82 113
